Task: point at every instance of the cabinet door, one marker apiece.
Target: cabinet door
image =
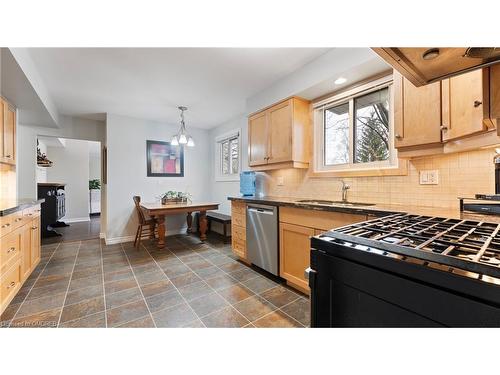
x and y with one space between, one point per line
35 242
417 113
465 105
26 251
257 139
295 248
280 132
9 134
2 127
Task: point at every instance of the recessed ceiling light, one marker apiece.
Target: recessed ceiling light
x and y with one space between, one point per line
340 80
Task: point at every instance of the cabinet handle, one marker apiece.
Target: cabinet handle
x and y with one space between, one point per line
477 103
11 250
6 225
443 128
34 228
11 285
8 156
398 136
18 219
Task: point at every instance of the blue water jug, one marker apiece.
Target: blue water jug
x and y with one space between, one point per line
247 183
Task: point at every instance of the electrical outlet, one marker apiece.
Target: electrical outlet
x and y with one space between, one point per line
429 177
281 181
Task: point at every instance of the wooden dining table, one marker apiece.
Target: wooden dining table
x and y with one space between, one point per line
159 211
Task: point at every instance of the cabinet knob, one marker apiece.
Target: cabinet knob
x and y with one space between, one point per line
8 156
11 285
443 128
34 228
477 103
11 250
398 136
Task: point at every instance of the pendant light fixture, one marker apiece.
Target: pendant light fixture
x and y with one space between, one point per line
182 138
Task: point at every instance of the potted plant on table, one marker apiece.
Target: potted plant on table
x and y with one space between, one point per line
171 197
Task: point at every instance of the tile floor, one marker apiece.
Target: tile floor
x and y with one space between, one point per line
187 284
84 230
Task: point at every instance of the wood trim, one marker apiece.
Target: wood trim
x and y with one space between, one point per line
400 170
401 64
277 103
284 165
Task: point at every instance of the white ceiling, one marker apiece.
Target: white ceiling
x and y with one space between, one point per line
150 83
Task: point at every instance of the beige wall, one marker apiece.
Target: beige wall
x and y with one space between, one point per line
462 174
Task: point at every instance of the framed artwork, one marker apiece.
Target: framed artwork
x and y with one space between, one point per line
164 160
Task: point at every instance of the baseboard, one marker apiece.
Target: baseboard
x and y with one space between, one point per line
115 240
76 219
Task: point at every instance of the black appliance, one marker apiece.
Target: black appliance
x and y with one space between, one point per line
53 209
407 271
488 204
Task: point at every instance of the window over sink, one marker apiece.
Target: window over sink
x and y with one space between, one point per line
353 131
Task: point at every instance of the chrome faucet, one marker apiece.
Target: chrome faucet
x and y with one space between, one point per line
345 187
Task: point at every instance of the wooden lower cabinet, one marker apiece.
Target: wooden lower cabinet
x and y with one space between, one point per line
238 229
20 252
294 254
297 226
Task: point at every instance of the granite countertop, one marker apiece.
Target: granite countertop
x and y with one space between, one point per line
9 206
377 209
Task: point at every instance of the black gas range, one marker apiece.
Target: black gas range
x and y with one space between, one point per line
407 270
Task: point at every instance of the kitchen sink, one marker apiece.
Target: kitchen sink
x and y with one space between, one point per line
321 202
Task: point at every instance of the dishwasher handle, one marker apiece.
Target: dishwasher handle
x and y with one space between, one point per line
261 210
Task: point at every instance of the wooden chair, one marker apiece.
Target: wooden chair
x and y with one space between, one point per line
147 226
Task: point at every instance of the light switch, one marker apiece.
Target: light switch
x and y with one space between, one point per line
281 181
429 177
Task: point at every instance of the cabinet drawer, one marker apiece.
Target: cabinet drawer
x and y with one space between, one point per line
238 207
239 248
239 220
19 220
10 247
323 220
6 224
10 283
239 233
31 212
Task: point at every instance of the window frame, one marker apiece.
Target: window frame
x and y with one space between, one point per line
391 166
219 140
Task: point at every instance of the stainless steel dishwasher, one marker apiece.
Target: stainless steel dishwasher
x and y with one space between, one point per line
262 237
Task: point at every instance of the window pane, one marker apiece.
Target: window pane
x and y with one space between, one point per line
225 157
371 127
234 155
337 135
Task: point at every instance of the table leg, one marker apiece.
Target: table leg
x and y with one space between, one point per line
161 231
189 219
203 225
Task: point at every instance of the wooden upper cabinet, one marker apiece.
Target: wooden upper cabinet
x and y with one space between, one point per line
8 133
495 94
280 133
466 104
280 136
417 113
257 139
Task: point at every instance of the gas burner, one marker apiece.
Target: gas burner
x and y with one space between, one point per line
464 244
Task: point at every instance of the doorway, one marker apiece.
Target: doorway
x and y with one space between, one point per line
68 176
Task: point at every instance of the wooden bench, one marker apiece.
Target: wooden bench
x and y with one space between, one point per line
218 217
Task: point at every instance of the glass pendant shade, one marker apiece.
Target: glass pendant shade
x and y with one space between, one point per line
183 139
